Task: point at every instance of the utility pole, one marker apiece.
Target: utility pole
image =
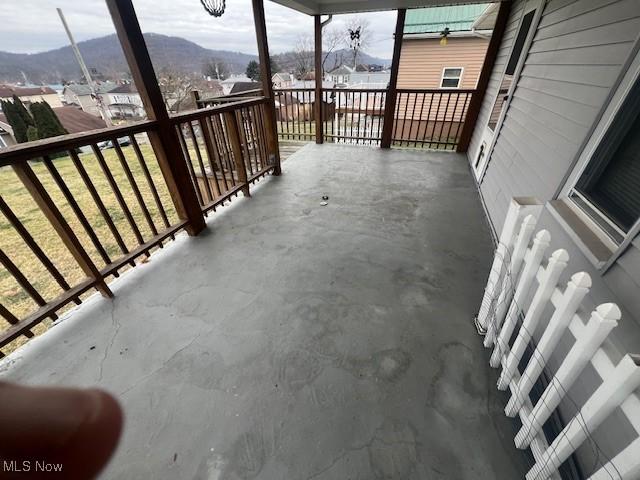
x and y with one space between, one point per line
85 71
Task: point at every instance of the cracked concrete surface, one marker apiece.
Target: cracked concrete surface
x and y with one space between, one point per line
296 341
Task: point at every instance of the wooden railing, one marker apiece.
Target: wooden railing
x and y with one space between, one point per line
225 148
423 118
430 118
203 102
79 211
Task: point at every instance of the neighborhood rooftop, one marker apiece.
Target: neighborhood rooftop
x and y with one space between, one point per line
436 19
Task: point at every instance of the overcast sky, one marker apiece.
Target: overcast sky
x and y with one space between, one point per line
30 26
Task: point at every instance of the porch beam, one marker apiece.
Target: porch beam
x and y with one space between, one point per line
485 74
163 139
390 101
319 74
267 84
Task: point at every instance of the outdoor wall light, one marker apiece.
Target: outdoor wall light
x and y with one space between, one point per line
443 36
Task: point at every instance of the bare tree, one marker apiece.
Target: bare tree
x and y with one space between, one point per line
176 88
216 68
358 36
332 38
303 56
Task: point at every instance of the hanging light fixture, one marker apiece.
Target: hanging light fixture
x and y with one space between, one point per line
214 7
443 36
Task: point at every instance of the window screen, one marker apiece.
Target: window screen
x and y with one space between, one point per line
611 181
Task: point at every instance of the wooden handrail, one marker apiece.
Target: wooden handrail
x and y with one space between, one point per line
435 90
207 111
246 93
370 90
27 151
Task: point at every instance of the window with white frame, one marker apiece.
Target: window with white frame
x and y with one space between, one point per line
451 77
608 188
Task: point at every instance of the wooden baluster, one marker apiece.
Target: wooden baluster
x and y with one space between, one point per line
203 172
557 263
118 194
22 280
150 182
236 147
76 209
528 276
33 245
603 319
99 203
576 290
13 320
614 390
134 187
509 279
66 234
215 152
192 172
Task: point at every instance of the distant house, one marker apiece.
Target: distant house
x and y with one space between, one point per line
282 80
228 83
72 118
429 62
340 76
31 94
426 63
124 102
80 95
240 87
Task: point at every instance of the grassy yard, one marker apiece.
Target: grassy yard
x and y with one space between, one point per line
12 295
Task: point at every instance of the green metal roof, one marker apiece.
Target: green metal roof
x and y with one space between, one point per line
436 19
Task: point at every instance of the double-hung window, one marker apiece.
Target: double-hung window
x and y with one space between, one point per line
451 77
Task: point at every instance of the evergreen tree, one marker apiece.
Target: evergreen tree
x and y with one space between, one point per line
16 121
253 70
46 121
55 119
32 133
22 111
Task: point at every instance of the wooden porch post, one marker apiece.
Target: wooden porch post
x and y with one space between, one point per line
318 78
164 138
485 74
390 102
267 85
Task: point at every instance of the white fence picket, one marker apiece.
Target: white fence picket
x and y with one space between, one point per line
577 288
509 280
624 466
557 263
612 392
519 208
602 321
540 245
504 299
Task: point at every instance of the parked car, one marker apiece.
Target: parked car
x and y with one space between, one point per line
123 142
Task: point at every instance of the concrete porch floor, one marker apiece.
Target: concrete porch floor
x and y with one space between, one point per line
294 341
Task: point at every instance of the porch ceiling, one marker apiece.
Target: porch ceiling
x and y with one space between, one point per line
300 341
326 7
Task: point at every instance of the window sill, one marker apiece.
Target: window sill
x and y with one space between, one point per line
586 235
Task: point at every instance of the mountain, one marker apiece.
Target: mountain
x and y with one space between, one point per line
105 56
289 61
